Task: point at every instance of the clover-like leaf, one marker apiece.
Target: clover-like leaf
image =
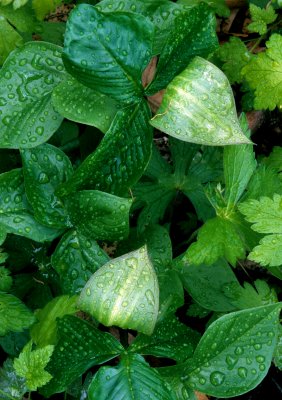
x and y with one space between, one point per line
124 292
199 107
108 51
26 82
235 353
75 259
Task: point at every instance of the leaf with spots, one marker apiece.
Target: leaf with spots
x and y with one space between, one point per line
16 215
170 339
235 353
12 387
31 365
14 315
124 292
27 80
121 157
198 107
132 379
44 332
80 347
44 168
75 259
108 51
84 105
192 34
99 215
219 6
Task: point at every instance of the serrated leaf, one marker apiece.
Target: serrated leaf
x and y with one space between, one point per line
263 74
31 365
15 214
198 106
235 353
84 105
80 347
261 18
235 56
44 7
239 165
217 238
195 26
170 339
264 182
268 252
111 61
125 382
26 82
75 259
12 387
44 168
44 332
5 279
14 315
99 215
121 157
124 292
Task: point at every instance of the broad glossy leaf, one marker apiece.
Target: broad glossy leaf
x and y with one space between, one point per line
171 339
132 379
80 347
84 105
235 353
108 51
173 376
44 168
121 157
26 82
124 292
99 215
199 107
75 259
44 332
31 365
196 26
14 315
12 387
15 213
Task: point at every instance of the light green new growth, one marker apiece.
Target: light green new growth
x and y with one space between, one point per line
261 17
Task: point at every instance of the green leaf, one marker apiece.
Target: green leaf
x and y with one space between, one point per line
261 18
264 74
75 259
264 182
26 82
16 3
195 26
9 39
121 157
5 279
44 332
219 6
31 365
170 339
80 347
14 315
239 165
132 379
124 292
15 214
198 107
44 168
52 33
173 376
268 252
44 7
12 387
84 105
217 238
278 350
99 215
235 353
235 56
108 51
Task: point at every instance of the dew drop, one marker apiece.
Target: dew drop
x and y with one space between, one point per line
132 262
150 297
231 361
239 351
39 130
242 372
217 378
74 274
88 291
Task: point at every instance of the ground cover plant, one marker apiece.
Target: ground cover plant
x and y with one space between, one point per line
140 201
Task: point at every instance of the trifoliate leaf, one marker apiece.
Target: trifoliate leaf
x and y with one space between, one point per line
31 365
5 279
264 74
235 56
124 292
14 315
44 332
12 387
261 17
